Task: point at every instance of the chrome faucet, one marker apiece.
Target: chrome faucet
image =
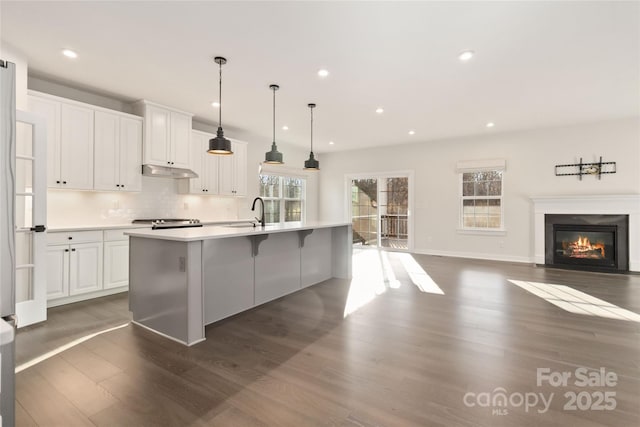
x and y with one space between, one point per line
253 208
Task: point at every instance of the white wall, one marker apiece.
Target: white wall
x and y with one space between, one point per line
530 156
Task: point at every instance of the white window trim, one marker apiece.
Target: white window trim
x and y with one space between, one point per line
281 174
480 231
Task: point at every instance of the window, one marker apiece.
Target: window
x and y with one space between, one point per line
481 203
283 198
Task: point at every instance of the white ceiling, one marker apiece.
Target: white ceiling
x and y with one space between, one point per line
537 64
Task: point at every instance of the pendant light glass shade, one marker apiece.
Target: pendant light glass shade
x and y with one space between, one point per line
311 163
274 156
220 144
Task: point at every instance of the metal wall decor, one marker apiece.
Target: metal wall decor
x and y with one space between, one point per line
578 169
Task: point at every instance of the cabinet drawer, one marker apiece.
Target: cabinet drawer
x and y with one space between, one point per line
116 235
58 238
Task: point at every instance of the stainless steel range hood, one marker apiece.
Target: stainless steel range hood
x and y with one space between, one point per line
167 172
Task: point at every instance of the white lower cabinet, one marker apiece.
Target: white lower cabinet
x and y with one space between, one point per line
57 271
116 264
85 268
86 264
73 269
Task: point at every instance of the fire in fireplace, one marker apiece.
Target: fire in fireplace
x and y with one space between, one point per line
583 248
590 242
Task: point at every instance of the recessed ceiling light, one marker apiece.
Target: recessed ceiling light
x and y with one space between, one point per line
69 53
490 124
215 104
331 143
412 132
285 127
466 55
379 110
323 73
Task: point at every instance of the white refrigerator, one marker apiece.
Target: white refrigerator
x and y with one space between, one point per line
7 241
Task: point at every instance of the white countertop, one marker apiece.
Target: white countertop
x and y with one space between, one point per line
222 232
54 228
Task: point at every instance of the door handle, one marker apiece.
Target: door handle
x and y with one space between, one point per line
38 228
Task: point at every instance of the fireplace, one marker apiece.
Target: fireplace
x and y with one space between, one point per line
587 242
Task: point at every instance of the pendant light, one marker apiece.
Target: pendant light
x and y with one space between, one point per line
220 144
312 163
274 156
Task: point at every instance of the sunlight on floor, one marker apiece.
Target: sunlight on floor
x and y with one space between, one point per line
418 276
577 302
373 274
62 348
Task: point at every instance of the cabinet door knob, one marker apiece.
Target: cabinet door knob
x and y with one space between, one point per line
57 182
121 185
73 250
70 238
66 250
117 185
64 182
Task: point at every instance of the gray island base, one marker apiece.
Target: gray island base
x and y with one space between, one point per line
183 279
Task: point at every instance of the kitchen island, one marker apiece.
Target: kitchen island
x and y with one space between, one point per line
183 279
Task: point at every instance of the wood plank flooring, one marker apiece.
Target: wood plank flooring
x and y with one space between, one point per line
405 358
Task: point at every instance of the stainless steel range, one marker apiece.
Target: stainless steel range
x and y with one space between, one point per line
164 223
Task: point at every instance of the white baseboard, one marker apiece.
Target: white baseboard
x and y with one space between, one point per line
82 297
634 266
167 336
476 255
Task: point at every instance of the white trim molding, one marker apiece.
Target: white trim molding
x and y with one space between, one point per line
606 204
475 255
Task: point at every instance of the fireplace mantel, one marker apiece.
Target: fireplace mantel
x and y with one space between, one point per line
625 204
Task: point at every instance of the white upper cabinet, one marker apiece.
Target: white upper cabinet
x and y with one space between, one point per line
50 111
167 135
217 174
180 139
69 142
233 171
204 164
118 152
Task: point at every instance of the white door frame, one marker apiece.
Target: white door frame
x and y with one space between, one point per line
380 175
34 310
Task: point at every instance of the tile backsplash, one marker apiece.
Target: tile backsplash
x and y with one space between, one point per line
159 198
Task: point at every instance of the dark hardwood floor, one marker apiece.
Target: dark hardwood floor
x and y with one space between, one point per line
407 357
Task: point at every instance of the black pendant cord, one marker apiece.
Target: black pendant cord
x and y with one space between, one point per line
274 115
220 95
311 129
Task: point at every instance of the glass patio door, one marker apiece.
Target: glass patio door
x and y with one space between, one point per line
364 211
380 211
30 217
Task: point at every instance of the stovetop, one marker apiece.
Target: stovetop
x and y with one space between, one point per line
165 223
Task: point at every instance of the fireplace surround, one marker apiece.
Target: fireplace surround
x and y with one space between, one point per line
623 204
587 242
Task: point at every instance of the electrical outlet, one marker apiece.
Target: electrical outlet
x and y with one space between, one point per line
186 206
116 204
